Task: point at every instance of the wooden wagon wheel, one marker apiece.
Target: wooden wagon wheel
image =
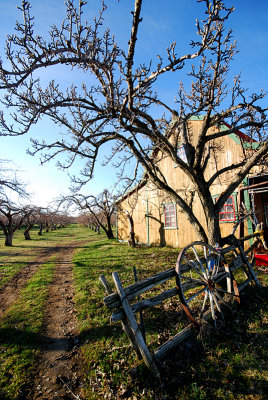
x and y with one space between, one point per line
202 281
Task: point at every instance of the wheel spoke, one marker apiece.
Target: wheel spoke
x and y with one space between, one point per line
220 276
198 260
205 254
204 302
222 300
212 308
188 278
217 263
194 268
225 291
194 295
216 302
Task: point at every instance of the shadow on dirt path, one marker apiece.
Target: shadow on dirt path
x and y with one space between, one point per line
58 372
11 290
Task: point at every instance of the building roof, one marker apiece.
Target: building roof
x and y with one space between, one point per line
224 126
240 134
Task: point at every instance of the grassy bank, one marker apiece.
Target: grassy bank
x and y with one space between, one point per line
227 365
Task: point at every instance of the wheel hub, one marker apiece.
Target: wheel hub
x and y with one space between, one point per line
211 285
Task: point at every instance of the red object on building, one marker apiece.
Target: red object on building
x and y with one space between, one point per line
261 259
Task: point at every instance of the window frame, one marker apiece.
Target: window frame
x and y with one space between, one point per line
233 205
175 225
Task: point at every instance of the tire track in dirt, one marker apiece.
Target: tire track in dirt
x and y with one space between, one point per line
10 292
59 373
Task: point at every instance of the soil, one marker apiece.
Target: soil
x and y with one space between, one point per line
58 371
10 291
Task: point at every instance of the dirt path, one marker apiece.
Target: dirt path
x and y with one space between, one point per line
11 290
59 374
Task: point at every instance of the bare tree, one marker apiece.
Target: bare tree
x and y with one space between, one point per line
11 215
54 219
89 220
36 215
11 219
101 207
9 182
130 203
85 219
41 220
119 107
30 219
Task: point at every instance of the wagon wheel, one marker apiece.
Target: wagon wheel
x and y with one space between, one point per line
202 281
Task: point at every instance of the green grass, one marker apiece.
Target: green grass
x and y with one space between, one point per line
104 257
13 259
19 334
227 365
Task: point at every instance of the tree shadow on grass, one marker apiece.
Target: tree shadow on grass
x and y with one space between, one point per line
98 245
24 338
227 364
49 248
28 264
210 368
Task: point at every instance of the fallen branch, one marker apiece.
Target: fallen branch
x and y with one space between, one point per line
72 393
118 348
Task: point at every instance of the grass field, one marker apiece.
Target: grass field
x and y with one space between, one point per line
228 365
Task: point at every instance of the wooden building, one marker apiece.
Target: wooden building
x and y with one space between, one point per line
159 221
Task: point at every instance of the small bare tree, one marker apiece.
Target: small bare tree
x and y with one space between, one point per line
40 220
118 108
101 207
127 208
30 219
11 219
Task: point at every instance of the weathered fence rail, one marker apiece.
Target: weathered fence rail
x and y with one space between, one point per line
201 276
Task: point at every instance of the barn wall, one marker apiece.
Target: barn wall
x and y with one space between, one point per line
146 205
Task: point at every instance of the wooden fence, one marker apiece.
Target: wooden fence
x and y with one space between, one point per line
120 301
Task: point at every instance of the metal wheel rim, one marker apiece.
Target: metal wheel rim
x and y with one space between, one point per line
212 295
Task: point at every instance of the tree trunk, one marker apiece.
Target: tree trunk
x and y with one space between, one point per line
9 237
40 232
27 235
27 232
131 241
109 233
214 233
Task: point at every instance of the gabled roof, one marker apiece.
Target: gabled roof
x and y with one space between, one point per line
242 135
139 185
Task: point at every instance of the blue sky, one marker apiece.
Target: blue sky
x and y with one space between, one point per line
163 23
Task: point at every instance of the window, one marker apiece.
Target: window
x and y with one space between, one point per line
170 216
227 212
182 154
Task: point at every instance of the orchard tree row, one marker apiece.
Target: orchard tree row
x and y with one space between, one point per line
18 213
95 211
14 217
